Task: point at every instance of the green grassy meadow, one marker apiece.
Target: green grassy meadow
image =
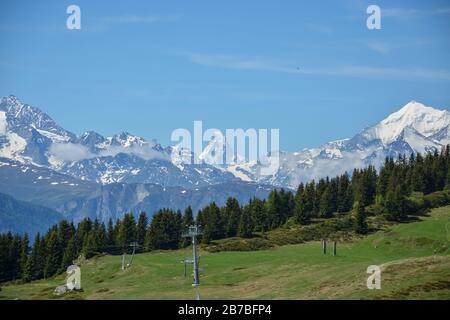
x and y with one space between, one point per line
414 258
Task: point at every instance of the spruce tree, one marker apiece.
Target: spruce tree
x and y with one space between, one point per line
70 254
24 248
54 254
232 215
212 223
360 224
188 217
141 228
111 236
396 204
127 230
90 245
164 231
325 205
274 208
259 215
245 223
187 221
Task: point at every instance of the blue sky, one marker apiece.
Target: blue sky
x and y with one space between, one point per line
310 68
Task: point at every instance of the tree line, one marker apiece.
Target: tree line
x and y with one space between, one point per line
52 252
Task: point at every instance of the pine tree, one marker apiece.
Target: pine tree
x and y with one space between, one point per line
286 206
300 215
188 220
246 223
141 228
360 225
304 204
164 231
70 254
212 223
54 256
84 227
396 203
24 248
345 195
26 273
188 217
36 261
127 230
14 256
274 208
447 183
259 215
90 245
101 238
232 215
300 189
65 232
111 235
325 205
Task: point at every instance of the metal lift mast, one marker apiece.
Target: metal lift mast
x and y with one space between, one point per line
193 232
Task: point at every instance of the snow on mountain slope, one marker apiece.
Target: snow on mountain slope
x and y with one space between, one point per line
3 123
30 136
414 128
425 120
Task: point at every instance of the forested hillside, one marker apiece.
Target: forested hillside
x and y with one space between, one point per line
403 187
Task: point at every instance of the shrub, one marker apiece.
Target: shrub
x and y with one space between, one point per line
374 210
436 199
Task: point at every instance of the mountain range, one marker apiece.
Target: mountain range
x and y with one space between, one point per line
90 175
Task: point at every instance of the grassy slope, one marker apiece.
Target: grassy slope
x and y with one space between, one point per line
415 261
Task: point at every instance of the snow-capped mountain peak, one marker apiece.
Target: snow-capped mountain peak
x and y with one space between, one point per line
126 140
425 120
28 135
414 128
20 115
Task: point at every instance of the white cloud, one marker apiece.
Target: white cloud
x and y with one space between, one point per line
69 152
413 13
140 19
231 62
257 64
380 47
144 152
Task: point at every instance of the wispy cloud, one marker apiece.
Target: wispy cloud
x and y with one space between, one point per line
411 12
368 71
380 47
257 64
130 18
239 63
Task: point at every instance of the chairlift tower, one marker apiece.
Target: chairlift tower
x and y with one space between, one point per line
134 245
193 232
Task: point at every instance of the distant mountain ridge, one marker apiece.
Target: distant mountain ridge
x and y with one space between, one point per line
78 199
24 217
97 176
414 128
30 136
